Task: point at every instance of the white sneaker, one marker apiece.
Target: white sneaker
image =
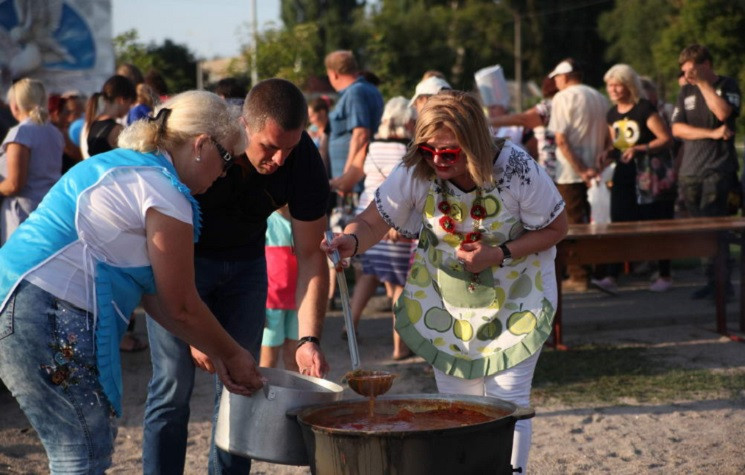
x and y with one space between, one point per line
607 285
661 285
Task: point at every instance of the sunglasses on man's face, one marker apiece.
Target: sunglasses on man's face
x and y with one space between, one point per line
227 158
447 155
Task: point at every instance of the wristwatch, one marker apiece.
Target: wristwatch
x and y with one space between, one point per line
507 259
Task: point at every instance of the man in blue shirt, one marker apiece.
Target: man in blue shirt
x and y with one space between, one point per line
353 121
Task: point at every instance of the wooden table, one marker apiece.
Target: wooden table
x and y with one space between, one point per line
654 240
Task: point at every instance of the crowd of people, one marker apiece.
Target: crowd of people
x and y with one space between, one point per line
208 209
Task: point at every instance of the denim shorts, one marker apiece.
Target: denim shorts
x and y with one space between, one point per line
48 362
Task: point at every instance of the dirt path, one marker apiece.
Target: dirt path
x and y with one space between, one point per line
672 437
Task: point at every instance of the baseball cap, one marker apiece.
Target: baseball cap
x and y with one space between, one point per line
429 87
564 67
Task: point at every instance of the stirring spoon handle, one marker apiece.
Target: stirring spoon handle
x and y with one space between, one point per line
346 308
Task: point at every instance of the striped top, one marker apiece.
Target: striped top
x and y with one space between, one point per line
382 157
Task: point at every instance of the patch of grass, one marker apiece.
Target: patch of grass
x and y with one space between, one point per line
594 374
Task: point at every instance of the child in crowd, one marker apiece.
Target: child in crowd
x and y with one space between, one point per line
281 328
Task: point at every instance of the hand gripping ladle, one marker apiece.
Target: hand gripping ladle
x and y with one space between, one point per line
363 382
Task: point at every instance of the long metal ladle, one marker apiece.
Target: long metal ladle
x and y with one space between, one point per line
341 280
363 382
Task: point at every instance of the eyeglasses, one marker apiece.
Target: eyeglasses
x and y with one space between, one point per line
227 158
448 155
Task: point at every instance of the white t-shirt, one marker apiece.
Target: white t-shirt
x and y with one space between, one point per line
578 112
111 227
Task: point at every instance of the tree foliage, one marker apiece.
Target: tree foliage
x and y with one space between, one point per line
173 61
292 54
631 29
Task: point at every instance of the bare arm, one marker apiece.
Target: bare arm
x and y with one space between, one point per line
605 158
716 104
113 137
18 157
579 167
689 132
368 226
353 168
662 138
479 256
178 307
529 119
312 291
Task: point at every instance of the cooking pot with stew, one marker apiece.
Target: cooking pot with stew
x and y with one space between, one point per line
411 434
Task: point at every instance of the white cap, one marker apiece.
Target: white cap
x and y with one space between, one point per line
563 67
429 87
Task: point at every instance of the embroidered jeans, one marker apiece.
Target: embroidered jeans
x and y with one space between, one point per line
235 291
48 362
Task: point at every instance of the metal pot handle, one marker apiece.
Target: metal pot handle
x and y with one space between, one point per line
269 392
523 413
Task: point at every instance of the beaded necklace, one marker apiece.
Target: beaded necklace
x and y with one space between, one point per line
448 223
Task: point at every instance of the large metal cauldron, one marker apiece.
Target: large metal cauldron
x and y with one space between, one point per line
259 427
478 448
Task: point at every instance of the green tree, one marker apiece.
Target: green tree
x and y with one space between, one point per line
570 28
408 37
716 24
289 53
632 28
175 62
334 19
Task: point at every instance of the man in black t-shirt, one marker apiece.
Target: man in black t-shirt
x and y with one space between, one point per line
704 118
281 166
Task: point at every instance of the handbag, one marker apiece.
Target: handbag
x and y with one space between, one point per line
655 177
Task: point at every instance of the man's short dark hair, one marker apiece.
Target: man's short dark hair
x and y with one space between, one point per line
276 99
696 53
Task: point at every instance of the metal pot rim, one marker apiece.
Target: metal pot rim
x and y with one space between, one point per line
514 413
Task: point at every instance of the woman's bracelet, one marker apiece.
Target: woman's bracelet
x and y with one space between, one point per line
356 243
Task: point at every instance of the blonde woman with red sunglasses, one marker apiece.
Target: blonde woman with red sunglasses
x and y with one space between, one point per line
481 292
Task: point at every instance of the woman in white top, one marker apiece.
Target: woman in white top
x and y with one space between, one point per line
115 230
481 292
31 155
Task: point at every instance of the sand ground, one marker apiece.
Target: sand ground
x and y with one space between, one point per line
676 437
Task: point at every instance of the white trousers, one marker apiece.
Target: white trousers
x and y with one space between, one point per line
511 385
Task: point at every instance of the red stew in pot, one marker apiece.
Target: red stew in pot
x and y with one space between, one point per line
405 420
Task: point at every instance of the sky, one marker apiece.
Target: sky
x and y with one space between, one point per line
209 28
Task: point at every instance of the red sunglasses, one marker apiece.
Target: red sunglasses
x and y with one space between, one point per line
448 155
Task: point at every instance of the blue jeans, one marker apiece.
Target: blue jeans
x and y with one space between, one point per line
48 362
235 291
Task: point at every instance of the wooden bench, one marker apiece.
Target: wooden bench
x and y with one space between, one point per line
654 240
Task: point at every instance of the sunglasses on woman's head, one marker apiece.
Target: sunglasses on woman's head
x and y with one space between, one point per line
448 155
227 158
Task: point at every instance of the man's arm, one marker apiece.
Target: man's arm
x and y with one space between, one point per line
312 291
529 119
579 167
685 131
353 168
717 105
